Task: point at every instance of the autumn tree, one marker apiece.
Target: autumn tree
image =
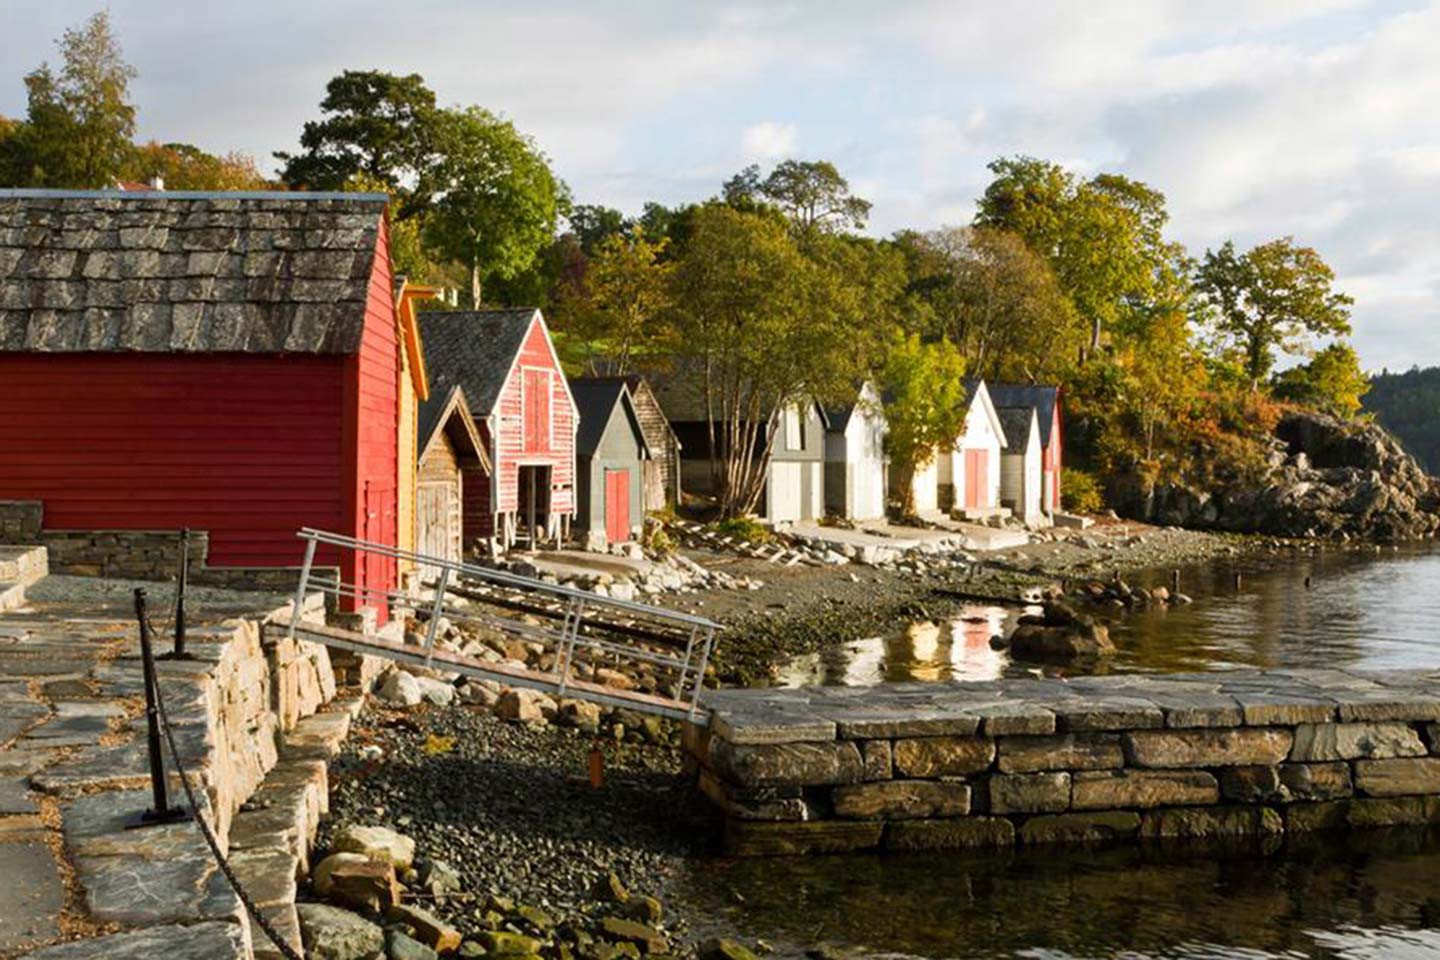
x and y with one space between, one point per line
1332 382
494 201
924 389
184 166
621 308
79 120
1274 296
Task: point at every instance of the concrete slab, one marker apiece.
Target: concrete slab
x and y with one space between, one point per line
580 563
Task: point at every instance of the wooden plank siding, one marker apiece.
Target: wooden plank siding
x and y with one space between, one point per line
512 446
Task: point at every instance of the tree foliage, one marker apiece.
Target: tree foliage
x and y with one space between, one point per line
811 193
1332 382
184 166
1408 405
621 309
1274 296
924 391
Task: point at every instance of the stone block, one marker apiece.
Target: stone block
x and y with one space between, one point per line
754 804
214 940
876 756
1184 709
1070 828
1235 746
776 725
1206 823
1068 751
957 834
1389 704
1316 781
1355 741
888 722
1107 713
902 800
1286 710
808 764
1391 811
1432 737
1259 784
750 839
942 756
1317 817
1029 793
1407 776
1016 719
1119 789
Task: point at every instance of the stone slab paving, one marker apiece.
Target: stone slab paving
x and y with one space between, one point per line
931 765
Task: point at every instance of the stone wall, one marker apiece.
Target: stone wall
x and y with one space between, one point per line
20 521
933 766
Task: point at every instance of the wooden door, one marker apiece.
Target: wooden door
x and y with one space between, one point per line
977 477
617 505
535 391
785 490
434 512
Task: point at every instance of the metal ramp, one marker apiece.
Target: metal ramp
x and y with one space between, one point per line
581 632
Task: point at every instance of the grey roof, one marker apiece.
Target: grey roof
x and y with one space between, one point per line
1015 424
597 399
472 349
450 412
681 393
638 386
1042 397
183 272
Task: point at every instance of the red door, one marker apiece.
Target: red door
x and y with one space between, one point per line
535 393
977 475
617 505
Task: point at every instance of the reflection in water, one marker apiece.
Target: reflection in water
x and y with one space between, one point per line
1376 895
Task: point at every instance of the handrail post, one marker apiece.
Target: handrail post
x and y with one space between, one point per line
301 589
700 671
440 587
182 580
161 812
569 631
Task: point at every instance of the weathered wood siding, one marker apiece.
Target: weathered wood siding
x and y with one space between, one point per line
662 471
439 520
515 446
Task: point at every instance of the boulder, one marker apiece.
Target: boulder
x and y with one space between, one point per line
437 692
400 688
320 876
369 885
437 877
429 929
520 704
399 946
330 933
376 843
723 949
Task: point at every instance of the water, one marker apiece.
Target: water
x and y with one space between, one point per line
1372 895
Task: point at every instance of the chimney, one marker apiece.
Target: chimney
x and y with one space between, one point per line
157 182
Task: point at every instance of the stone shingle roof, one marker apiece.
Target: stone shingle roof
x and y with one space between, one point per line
472 349
185 272
1015 423
1043 398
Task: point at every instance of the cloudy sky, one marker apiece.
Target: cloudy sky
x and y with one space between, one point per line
1317 118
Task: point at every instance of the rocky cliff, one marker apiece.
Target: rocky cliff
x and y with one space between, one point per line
1324 478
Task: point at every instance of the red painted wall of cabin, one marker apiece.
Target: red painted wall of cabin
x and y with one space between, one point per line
248 447
372 423
1054 456
513 449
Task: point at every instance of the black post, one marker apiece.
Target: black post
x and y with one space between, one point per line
162 812
178 652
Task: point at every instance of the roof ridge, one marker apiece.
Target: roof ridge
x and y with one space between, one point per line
46 193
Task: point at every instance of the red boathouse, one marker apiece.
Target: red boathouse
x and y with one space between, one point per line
507 366
223 362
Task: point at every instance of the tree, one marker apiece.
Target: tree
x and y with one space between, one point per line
377 124
811 193
1331 382
924 406
494 199
186 167
1270 297
592 224
621 308
79 121
755 331
1102 237
996 300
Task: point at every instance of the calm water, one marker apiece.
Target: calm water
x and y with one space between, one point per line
1366 896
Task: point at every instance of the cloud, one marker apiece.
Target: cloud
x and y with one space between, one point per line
767 141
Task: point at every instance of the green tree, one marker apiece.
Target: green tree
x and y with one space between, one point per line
812 193
377 124
1331 382
924 406
186 167
1273 296
622 307
755 330
79 122
593 224
494 199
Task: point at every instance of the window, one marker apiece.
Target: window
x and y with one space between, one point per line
794 431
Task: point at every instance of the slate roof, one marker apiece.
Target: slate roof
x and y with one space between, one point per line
472 349
1015 424
435 414
185 272
597 398
1043 398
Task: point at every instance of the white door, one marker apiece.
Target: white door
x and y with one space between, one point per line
784 491
869 490
926 499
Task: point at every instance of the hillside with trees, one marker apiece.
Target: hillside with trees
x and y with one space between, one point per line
1408 405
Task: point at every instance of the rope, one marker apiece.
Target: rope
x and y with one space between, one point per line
271 933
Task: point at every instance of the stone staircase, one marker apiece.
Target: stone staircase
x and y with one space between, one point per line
20 566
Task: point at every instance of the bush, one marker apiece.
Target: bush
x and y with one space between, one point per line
1080 492
745 528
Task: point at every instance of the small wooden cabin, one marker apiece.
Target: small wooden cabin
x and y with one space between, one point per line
610 457
662 469
413 390
969 474
223 362
505 362
855 461
450 446
1046 401
1021 474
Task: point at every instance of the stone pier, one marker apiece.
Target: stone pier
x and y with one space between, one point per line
925 766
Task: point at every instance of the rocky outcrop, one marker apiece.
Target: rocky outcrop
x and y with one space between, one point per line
1324 478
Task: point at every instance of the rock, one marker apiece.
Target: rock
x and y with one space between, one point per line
502 943
647 910
1119 789
954 834
610 889
902 800
723 949
620 930
320 875
330 933
1356 741
438 878
398 946
1207 748
1071 751
1068 828
1203 823
1029 793
429 929
580 714
369 885
1398 777
810 764
613 678
376 843
1316 781
927 757
400 688
435 691
519 704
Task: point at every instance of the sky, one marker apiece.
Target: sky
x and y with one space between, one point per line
1257 119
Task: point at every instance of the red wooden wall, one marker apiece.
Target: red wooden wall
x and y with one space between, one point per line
245 446
1054 455
516 445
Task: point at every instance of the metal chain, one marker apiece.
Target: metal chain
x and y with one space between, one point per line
270 932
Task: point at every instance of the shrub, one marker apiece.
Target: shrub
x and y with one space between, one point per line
1080 492
745 528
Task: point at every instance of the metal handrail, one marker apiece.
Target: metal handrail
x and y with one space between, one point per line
573 631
